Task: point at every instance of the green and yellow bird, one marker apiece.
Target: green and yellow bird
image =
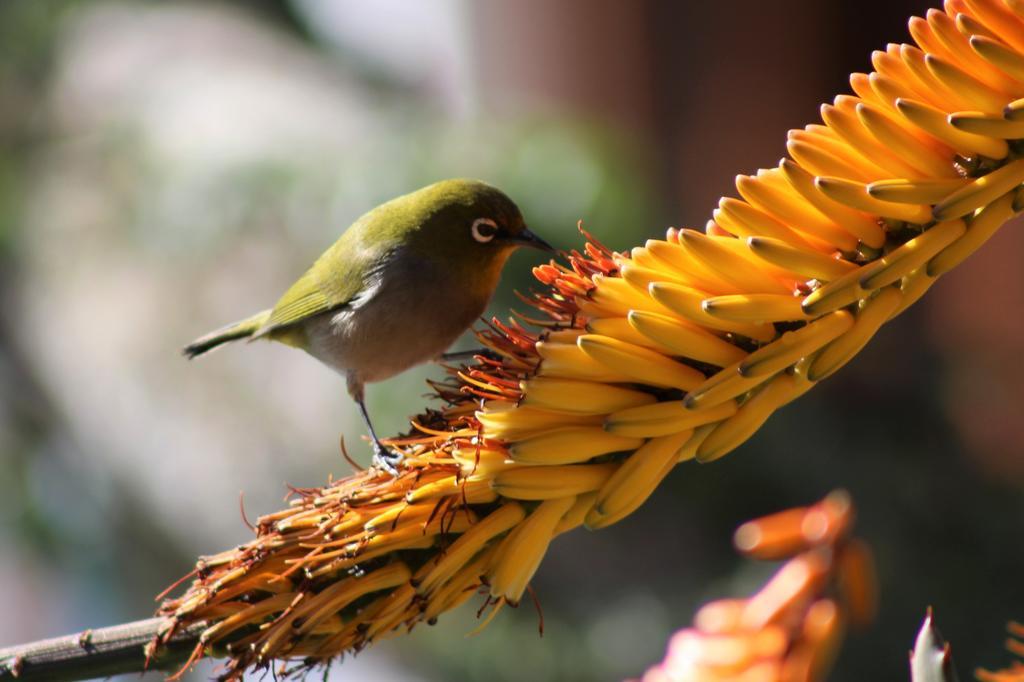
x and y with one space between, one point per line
396 289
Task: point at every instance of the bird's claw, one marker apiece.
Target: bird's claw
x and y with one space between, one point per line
462 354
385 460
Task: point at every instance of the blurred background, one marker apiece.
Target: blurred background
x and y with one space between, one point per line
169 167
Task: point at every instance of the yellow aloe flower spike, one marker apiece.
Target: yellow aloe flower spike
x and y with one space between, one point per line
677 350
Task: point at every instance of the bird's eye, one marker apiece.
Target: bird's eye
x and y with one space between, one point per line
484 230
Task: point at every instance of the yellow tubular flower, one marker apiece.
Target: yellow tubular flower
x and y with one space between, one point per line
677 350
1014 673
792 627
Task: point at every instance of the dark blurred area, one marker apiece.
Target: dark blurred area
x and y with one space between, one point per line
168 167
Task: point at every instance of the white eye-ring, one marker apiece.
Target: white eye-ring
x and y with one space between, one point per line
484 230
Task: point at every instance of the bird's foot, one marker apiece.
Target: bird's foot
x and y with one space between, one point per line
462 354
386 460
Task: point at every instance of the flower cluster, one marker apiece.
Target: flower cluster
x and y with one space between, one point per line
1015 673
791 629
677 350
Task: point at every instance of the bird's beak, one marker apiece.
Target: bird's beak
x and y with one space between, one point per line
527 238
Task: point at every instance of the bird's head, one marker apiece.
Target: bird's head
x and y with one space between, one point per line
468 222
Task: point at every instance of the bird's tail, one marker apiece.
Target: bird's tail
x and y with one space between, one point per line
239 330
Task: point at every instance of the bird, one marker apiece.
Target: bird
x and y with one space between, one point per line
396 289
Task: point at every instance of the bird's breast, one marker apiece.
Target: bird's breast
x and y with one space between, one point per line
404 319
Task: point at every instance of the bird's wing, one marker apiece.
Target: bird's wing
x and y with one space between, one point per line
303 300
349 272
339 278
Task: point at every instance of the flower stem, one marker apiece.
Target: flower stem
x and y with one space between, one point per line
95 653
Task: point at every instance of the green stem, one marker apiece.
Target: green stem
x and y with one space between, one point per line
95 653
